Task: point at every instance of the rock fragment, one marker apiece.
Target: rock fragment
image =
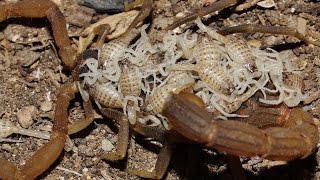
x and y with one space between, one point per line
25 116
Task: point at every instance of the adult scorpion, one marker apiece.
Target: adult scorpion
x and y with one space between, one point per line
185 113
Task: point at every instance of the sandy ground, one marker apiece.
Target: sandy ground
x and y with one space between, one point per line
27 44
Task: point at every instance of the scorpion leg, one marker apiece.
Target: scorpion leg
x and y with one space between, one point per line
253 28
165 153
235 167
146 8
83 123
102 31
216 6
42 9
123 122
123 135
161 166
297 138
151 132
48 153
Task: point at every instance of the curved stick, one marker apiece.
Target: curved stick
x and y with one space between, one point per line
204 11
253 28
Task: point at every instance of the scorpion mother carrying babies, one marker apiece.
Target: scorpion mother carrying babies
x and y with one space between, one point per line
177 88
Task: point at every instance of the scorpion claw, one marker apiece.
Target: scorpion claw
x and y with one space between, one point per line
161 164
123 135
42 9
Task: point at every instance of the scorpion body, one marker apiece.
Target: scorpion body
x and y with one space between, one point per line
106 95
207 51
157 99
130 80
215 78
236 48
130 84
239 51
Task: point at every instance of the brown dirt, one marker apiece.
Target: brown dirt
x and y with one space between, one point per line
28 41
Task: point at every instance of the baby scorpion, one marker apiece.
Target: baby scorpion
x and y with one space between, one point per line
176 82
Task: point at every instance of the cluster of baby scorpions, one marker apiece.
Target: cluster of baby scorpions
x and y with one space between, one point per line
168 90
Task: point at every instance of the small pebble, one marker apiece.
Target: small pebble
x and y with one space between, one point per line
2 68
267 4
255 43
15 37
68 145
270 40
111 6
12 79
107 145
80 16
180 15
302 25
25 116
85 170
46 106
6 147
